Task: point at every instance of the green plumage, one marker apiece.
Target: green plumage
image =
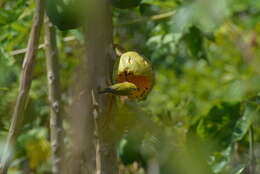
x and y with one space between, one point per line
121 89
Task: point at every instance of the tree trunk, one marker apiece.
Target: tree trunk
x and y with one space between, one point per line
99 62
95 149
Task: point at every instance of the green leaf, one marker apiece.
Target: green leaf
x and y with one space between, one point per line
6 17
220 160
218 125
195 41
243 124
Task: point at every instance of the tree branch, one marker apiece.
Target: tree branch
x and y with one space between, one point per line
52 62
25 83
23 50
150 18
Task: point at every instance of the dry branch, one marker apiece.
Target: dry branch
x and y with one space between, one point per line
25 83
23 50
52 63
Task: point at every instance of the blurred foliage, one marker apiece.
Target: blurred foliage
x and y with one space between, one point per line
35 146
205 100
61 14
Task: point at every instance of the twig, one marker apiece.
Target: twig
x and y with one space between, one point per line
153 18
23 50
25 83
118 49
252 164
52 63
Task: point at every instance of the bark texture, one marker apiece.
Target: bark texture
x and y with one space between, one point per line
100 60
52 62
25 83
95 145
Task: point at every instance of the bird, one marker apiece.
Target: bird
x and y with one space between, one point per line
134 68
120 89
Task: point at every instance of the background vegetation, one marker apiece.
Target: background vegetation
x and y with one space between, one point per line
202 116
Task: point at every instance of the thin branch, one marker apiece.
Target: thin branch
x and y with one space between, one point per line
25 83
252 164
52 62
118 49
150 18
23 50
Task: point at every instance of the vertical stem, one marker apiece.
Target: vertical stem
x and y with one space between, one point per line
25 83
52 62
252 165
153 166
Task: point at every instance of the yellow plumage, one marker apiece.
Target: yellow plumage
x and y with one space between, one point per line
121 89
132 76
